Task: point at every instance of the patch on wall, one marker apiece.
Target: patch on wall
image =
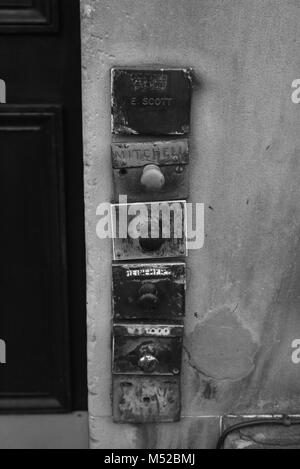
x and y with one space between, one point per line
222 348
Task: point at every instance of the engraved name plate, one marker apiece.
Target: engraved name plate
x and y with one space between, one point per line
151 102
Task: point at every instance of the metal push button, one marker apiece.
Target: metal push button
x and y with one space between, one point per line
148 297
152 179
148 361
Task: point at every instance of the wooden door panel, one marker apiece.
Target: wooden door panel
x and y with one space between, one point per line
33 252
28 16
43 282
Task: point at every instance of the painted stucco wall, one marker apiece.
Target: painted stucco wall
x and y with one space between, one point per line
243 293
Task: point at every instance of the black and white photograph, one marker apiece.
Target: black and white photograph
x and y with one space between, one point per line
150 227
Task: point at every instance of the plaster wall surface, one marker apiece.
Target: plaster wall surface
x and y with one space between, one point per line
243 292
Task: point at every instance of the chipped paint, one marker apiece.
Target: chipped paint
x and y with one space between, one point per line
146 400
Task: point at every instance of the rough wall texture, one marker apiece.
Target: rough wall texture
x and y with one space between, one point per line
243 287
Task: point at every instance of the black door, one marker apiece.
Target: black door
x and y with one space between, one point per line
42 280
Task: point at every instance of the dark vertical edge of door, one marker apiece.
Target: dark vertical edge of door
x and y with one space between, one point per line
75 225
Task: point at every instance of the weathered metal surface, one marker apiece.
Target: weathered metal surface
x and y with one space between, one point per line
262 436
152 230
130 161
148 330
142 349
151 102
146 399
149 291
138 154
